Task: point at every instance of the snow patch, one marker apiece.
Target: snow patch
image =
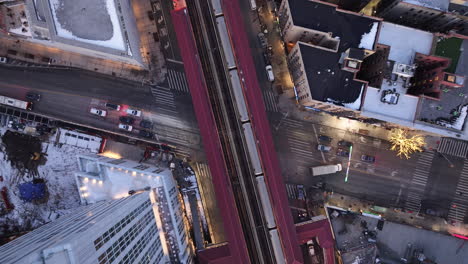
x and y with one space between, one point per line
404 42
368 39
459 122
356 105
59 175
116 42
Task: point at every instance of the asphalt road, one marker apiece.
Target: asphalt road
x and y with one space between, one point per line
68 95
425 181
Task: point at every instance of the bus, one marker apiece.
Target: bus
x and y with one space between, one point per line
4 100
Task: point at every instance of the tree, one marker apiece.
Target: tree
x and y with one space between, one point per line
404 144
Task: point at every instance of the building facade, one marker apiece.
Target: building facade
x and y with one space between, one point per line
116 231
101 179
433 17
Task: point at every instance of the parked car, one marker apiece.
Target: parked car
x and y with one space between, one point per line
344 143
127 120
343 153
262 39
33 97
146 134
368 158
113 106
270 75
125 127
3 60
324 138
146 124
323 148
98 112
133 112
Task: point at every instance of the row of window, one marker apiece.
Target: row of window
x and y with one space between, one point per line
106 236
118 246
151 251
139 246
172 191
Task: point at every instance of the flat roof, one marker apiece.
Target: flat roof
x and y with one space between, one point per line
405 109
327 81
404 42
354 30
434 4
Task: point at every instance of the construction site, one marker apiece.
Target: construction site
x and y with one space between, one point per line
36 180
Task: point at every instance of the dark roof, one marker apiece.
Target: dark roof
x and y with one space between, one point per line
357 54
349 27
326 78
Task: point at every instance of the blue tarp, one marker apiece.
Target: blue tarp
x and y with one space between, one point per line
30 191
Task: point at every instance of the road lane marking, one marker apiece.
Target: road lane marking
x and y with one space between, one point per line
316 137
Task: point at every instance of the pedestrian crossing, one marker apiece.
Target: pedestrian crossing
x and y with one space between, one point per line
164 99
459 207
454 147
177 81
418 183
290 123
270 101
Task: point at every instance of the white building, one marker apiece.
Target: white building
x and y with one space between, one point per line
101 28
102 178
126 230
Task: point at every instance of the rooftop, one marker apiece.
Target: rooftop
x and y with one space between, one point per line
404 42
434 4
328 82
353 30
373 107
103 178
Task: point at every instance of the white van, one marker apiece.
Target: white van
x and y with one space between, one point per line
269 70
326 169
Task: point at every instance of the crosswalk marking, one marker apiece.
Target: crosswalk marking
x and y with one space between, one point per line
270 101
292 123
177 81
164 99
454 147
458 207
418 182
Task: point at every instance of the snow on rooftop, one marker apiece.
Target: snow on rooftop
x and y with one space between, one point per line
58 173
368 39
434 4
115 42
405 109
114 181
356 105
404 42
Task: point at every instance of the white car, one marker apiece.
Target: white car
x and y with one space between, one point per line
98 112
134 112
3 60
269 70
125 127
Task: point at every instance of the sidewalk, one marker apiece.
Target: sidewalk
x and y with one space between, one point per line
288 105
43 54
398 216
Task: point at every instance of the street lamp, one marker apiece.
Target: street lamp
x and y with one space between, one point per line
349 163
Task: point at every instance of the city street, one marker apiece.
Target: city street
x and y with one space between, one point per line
69 94
426 182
